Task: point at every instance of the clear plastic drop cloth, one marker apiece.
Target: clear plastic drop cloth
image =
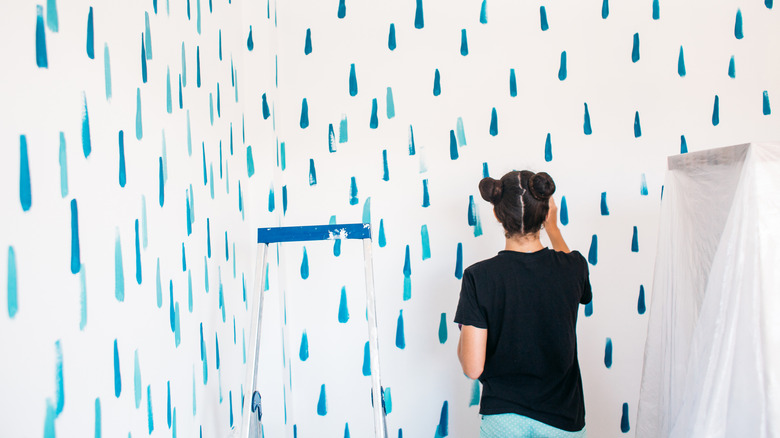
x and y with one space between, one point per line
712 357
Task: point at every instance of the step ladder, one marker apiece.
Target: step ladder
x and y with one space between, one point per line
252 410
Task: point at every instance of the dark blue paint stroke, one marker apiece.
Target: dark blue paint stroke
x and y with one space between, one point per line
635 241
548 149
391 43
768 3
562 72
41 57
86 142
472 212
216 347
117 371
322 403
227 248
732 68
738 34
493 122
382 240
459 261
385 168
436 83
512 83
637 126
122 170
230 399
419 21
220 48
635 49
271 200
400 339
305 265
483 12
304 114
250 44
604 207
453 146
161 179
303 352
343 310
656 10
366 360
75 246
474 394
374 121
353 88
589 309
250 162
766 109
119 272
52 18
188 211
681 63
412 150
90 34
171 307
407 275
266 110
353 192
716 111
464 43
683 145
342 11
331 138
183 258
641 308
443 328
564 211
197 66
25 188
219 112
608 353
426 200
169 410
442 429
593 251
138 273
144 73
312 173
605 9
624 425
543 18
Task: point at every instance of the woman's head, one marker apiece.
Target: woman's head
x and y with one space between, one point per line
520 200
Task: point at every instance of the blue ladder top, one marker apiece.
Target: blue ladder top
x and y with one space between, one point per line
313 232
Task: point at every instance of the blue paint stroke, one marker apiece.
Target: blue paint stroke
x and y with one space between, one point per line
353 191
608 353
635 241
604 207
681 63
738 34
641 308
41 57
86 142
589 309
52 18
183 65
322 403
412 150
426 246
391 43
218 101
307 44
624 426
137 381
305 265
353 88
139 130
643 186
548 149
183 258
189 135
605 9
158 283
366 360
211 180
75 247
197 64
426 200
374 121
148 34
543 19
419 21
149 415
250 162
453 146
266 110
637 126
367 211
211 109
303 352
385 167
474 401
161 181
442 429
443 328
281 150
83 298
436 83
407 275
593 251
483 12
586 124
144 72
564 211
216 348
656 10
390 103
25 192
388 400
464 43
48 422
304 114
459 261
562 73
493 122
117 371
460 132
171 307
732 68
768 3
382 240
343 310
635 49
716 111
122 167
342 11
189 290
138 274
90 34
512 83
766 109
250 44
60 388
346 430
168 97
119 273
169 411
472 212
683 145
271 202
400 339
63 160
208 237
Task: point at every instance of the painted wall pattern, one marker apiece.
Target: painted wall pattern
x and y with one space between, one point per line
323 112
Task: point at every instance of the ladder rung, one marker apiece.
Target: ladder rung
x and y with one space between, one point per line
313 232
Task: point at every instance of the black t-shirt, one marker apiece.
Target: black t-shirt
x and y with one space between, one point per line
528 303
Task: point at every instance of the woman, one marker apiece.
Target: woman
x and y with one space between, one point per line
518 316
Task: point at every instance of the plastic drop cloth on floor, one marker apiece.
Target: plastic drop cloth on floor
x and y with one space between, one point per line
712 357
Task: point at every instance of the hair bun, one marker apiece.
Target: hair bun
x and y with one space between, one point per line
491 190
541 186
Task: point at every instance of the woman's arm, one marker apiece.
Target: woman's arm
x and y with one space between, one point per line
551 228
471 350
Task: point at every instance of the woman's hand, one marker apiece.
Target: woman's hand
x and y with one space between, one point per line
551 221
551 228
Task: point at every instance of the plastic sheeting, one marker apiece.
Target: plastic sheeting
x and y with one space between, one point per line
712 357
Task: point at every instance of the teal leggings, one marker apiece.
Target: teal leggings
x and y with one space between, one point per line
518 426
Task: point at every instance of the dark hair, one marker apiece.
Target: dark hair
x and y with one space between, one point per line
520 200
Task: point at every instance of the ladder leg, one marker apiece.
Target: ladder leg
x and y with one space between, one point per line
380 424
256 317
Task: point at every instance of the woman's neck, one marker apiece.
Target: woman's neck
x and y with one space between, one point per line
524 243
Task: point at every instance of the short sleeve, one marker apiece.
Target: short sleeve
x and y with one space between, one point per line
469 311
587 293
